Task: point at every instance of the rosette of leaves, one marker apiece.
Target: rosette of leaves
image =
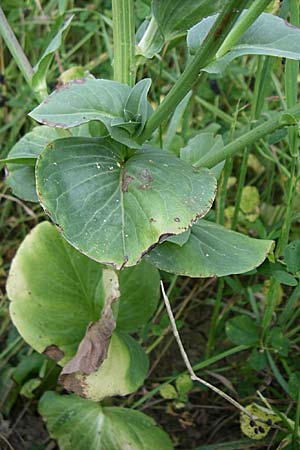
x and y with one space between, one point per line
111 201
72 309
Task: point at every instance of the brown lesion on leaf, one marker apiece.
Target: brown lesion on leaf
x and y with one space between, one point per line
79 80
290 25
54 352
126 180
74 383
144 187
146 178
93 348
146 175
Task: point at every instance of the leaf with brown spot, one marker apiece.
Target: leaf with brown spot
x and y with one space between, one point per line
126 180
117 196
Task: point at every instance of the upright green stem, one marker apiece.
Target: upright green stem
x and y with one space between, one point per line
291 85
15 48
262 76
243 24
124 41
278 121
222 26
291 74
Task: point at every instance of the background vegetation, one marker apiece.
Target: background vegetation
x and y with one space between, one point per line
220 321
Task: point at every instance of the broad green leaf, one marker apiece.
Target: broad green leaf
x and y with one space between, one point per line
80 424
292 256
121 373
172 18
21 178
211 250
41 68
198 147
75 285
87 99
285 278
268 35
56 292
112 209
242 330
83 100
258 360
278 341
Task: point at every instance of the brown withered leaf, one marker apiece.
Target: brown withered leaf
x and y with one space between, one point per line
93 348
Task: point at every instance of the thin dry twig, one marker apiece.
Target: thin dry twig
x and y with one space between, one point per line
189 367
3 438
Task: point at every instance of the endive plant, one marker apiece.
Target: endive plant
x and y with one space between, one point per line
121 207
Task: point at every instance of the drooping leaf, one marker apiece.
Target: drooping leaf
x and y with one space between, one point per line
75 281
268 35
83 100
199 146
121 373
20 177
242 330
211 250
93 348
41 68
86 99
278 341
56 293
113 209
171 19
80 424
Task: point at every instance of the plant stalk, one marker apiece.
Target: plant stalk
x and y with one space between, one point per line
277 121
190 369
15 48
222 26
243 24
291 85
124 41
